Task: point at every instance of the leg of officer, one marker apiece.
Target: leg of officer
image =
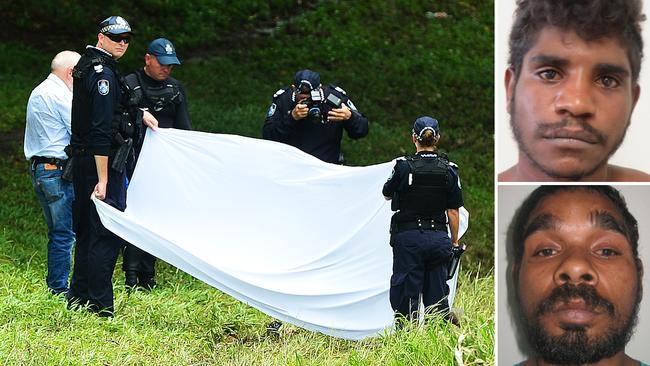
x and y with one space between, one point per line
84 185
147 272
408 272
131 264
435 288
104 248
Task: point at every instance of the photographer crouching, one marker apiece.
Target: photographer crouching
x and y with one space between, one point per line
312 117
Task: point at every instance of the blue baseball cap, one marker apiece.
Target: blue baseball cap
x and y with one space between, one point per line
306 78
115 25
164 51
425 123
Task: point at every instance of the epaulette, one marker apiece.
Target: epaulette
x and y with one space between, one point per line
338 89
278 93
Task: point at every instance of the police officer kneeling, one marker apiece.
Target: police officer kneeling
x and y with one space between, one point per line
425 191
103 129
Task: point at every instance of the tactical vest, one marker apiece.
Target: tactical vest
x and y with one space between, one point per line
425 194
167 94
124 124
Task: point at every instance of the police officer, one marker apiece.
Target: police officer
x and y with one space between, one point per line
426 193
312 117
103 127
165 98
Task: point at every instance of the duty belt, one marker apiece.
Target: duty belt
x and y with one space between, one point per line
44 160
420 225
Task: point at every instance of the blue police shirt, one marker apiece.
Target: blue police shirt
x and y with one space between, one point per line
96 96
322 140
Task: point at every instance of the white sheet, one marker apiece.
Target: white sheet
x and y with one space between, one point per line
299 239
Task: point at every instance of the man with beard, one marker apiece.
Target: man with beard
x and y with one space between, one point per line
576 275
571 87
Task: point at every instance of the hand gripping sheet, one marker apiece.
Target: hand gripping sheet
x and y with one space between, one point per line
301 240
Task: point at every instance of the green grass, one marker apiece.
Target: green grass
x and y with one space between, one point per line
186 322
396 60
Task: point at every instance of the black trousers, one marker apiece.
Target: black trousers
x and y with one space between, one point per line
420 262
137 260
96 248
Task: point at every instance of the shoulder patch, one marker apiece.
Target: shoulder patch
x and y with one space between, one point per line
392 174
453 165
271 110
98 68
338 89
103 86
278 93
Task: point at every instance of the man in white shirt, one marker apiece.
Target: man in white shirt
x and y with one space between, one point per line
47 133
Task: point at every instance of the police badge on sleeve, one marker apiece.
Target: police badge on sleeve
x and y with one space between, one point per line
103 87
271 110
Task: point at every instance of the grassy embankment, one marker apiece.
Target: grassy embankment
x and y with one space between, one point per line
396 61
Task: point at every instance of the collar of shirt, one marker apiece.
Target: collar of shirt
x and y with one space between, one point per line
100 49
59 83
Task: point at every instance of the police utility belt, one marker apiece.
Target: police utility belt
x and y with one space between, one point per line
420 224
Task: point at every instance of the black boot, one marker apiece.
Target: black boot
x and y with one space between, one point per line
147 281
130 279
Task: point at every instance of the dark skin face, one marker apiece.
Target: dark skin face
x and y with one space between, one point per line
570 106
577 241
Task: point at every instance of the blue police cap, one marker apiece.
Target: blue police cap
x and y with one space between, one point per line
164 51
115 25
307 77
425 123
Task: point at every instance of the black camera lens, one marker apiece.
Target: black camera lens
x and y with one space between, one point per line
314 112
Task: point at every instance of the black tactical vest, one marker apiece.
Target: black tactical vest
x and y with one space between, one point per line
426 191
159 97
125 122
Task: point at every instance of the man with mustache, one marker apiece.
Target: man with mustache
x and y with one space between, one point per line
576 275
571 87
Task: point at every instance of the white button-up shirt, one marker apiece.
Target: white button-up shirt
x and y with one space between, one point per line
48 129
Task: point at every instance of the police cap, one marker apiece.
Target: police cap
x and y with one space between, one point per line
307 78
164 51
425 123
115 25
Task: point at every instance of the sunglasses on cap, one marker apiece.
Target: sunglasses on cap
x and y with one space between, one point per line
117 38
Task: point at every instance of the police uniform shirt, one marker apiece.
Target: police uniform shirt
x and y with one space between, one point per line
399 180
95 97
174 113
322 140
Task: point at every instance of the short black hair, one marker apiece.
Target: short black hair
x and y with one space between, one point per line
590 19
521 220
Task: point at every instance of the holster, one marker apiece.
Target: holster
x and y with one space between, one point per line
69 165
122 153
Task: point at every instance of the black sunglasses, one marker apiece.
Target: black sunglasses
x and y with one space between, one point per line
117 38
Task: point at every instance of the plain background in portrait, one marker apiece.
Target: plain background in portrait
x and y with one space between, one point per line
510 198
636 141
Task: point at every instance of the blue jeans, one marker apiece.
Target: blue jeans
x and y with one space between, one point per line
55 195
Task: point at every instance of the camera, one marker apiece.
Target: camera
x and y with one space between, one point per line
316 105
